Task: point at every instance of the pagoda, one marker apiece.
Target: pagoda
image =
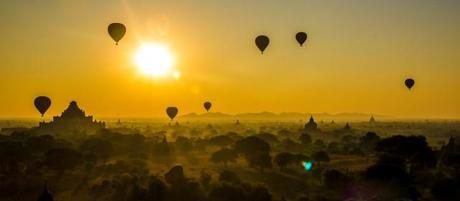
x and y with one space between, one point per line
372 120
73 120
311 125
347 127
45 195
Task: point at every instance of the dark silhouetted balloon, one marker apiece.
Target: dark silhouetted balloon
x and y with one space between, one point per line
42 103
409 83
172 112
262 42
207 105
116 31
301 37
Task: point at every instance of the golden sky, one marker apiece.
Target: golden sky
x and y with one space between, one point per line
356 58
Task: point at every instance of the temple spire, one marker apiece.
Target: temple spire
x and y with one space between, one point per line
311 125
372 119
46 194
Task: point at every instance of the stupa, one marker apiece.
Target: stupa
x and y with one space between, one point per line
311 125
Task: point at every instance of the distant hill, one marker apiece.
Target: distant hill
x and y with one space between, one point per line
206 115
285 116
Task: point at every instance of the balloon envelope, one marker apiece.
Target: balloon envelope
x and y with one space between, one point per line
262 42
42 103
409 83
301 37
172 112
207 105
116 31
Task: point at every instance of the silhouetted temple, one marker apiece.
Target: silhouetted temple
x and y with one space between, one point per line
372 120
45 195
311 125
452 146
347 127
73 120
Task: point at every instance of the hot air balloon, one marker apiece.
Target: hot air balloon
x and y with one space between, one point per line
207 105
172 112
301 37
409 83
116 31
262 42
42 103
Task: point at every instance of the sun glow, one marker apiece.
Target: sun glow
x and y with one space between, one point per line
154 60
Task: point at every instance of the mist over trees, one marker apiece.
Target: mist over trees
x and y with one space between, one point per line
256 161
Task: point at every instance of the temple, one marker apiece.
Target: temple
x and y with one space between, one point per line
45 195
73 120
372 120
311 125
453 146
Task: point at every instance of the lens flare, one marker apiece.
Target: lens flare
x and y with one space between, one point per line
307 165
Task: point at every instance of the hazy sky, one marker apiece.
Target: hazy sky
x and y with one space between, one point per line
356 59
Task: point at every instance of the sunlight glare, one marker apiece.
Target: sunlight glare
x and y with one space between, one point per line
176 75
154 60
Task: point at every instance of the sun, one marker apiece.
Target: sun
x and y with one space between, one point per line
154 60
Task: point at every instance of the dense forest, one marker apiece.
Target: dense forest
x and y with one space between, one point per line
197 161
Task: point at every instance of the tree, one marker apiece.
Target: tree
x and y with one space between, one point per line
335 179
224 156
369 141
290 146
221 140
348 139
425 158
405 146
319 144
162 152
184 144
137 193
256 151
261 161
251 145
285 133
356 151
156 190
305 139
267 137
320 156
446 189
62 159
413 150
175 176
205 179
135 143
42 143
259 193
333 148
13 156
229 176
227 192
300 158
284 159
100 189
102 148
391 182
452 160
